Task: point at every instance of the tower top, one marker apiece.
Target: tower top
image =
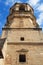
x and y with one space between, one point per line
21 16
22 7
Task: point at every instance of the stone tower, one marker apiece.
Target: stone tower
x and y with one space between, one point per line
23 38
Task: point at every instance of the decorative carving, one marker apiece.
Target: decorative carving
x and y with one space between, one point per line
23 50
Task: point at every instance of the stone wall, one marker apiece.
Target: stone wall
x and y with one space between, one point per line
14 35
34 55
2 62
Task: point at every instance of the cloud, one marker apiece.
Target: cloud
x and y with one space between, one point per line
40 19
38 9
33 2
11 2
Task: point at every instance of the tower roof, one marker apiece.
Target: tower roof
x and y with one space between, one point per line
18 4
16 7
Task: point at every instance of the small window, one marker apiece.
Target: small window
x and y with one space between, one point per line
22 38
22 58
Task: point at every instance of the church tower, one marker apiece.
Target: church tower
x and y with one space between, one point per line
24 39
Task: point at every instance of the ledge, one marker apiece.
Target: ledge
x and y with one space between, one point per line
25 43
22 28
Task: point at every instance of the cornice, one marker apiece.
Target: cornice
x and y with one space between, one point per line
25 43
22 28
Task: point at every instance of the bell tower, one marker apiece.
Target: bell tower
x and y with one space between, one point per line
23 36
21 16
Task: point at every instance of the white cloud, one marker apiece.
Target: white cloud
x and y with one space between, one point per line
11 2
33 2
40 19
40 8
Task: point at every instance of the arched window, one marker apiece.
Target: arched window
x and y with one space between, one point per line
22 8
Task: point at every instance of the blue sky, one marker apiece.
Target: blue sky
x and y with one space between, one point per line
6 4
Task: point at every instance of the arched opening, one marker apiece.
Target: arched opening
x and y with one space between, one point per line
22 8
